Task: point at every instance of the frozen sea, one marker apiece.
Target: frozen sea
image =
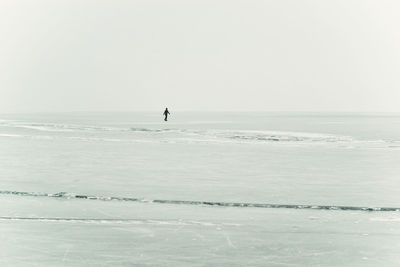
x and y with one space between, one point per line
203 189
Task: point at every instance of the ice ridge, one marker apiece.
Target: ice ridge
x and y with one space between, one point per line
66 195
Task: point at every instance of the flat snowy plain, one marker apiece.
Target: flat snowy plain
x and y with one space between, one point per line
203 189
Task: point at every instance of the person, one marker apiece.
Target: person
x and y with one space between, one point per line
166 113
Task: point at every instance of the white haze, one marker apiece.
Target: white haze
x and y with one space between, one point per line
96 55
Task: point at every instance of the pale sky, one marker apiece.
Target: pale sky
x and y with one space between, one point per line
281 55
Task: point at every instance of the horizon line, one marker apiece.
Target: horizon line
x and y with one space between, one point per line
198 111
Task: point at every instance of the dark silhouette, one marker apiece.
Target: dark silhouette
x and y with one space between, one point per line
166 113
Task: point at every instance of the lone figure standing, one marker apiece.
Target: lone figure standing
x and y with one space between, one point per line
166 113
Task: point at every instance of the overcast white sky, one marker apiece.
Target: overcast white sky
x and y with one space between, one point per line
281 55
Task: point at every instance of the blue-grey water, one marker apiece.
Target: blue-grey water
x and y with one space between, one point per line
168 190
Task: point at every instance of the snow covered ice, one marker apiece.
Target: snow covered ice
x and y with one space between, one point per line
122 189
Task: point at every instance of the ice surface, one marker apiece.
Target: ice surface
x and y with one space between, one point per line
54 232
129 189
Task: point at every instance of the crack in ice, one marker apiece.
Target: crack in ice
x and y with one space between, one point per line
66 195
